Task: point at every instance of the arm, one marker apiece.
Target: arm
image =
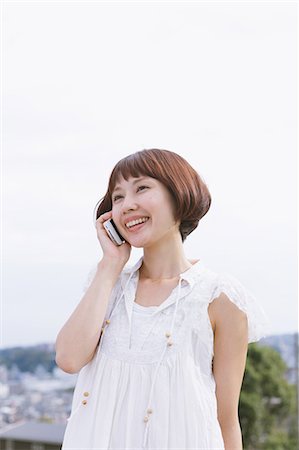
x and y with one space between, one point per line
77 340
230 327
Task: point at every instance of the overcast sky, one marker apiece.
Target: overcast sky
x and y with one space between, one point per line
85 84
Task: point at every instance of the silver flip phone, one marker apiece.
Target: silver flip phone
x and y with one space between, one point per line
113 232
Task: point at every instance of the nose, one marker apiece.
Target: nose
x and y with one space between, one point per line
128 203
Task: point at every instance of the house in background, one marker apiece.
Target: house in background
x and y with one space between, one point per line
32 436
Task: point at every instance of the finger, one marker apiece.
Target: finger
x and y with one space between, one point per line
105 215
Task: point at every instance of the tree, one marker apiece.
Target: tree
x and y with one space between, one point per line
268 406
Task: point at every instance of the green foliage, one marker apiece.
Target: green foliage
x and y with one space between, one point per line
268 405
279 440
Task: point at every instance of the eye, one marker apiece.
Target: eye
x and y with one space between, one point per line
142 187
118 196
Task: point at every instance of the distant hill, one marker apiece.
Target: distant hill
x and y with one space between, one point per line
28 358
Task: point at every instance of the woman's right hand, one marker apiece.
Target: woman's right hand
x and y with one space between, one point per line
119 254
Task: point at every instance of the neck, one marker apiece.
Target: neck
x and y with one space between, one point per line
159 279
152 269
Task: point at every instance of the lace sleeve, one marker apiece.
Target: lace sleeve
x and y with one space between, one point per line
114 293
89 278
258 322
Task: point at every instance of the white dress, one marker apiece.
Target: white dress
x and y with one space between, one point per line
144 390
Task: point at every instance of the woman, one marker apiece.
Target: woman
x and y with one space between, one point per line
168 370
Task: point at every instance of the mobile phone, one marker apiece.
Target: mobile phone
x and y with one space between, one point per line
113 232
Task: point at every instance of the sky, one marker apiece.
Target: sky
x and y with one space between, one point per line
86 84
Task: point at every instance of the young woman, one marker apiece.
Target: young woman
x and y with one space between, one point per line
172 333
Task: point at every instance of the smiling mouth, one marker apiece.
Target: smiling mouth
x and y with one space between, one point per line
137 226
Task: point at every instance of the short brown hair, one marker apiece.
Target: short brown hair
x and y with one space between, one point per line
190 194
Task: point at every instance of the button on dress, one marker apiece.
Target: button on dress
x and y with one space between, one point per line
150 384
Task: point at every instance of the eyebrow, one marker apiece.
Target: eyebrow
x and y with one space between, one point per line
134 182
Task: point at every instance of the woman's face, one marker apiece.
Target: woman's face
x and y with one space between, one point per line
139 198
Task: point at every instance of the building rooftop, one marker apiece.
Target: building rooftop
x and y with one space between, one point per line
35 432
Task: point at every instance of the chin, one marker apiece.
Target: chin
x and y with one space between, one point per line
136 244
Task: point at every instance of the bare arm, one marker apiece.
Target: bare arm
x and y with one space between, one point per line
230 351
77 340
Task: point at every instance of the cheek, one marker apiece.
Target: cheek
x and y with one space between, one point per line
115 214
155 201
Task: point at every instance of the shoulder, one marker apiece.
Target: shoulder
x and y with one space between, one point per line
224 313
233 305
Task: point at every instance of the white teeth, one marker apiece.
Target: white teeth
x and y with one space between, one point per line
135 222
